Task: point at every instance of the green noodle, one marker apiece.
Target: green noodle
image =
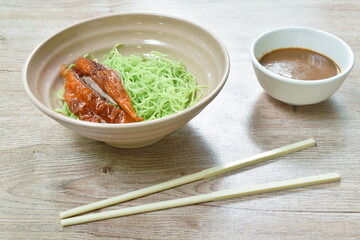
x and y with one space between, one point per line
157 86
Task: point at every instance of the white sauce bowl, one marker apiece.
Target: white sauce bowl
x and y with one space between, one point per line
301 92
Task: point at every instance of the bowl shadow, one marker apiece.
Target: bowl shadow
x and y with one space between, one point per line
180 153
100 171
272 120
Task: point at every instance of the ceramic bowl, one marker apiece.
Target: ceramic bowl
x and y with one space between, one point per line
204 55
300 92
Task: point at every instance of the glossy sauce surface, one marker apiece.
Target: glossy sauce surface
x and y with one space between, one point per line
299 63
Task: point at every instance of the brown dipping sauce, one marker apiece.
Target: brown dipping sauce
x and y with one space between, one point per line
299 63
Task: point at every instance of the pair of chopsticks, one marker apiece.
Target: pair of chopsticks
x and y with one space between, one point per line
69 219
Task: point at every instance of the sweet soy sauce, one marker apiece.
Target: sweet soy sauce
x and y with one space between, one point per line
300 64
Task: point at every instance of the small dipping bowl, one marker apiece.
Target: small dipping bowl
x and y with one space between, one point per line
301 92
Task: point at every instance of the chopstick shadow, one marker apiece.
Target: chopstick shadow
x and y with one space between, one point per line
246 202
272 120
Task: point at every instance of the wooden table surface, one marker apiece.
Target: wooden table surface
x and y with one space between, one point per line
46 168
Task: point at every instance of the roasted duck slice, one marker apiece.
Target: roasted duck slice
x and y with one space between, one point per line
76 104
109 82
87 104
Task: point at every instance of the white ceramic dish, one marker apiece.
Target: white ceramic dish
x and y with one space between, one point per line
299 92
203 54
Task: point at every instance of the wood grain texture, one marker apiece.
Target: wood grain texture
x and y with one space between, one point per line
46 168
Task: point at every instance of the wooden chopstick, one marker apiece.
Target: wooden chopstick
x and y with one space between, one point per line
214 196
191 178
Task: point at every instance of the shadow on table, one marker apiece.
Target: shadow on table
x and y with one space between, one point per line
184 150
273 123
98 171
269 202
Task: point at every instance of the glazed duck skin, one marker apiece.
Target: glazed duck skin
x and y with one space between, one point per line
76 105
87 104
109 82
